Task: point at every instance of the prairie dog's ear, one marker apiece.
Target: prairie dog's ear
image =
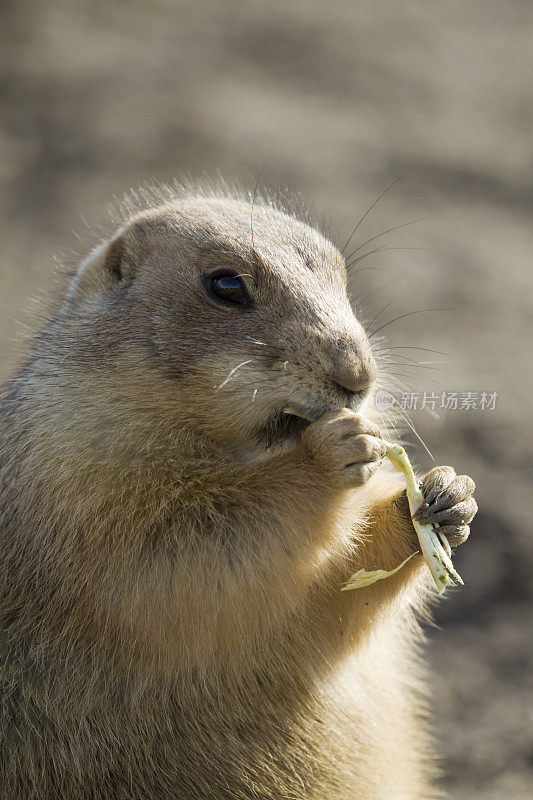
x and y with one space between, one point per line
114 257
109 264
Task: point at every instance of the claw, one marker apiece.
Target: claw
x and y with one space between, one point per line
459 514
455 534
436 481
420 510
442 504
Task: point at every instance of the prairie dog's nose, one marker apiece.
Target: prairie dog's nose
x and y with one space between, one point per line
353 365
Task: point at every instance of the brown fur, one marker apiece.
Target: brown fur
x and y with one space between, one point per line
172 620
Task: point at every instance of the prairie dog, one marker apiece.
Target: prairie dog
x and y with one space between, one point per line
173 542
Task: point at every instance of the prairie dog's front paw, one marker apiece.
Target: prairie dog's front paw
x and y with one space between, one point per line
449 503
346 446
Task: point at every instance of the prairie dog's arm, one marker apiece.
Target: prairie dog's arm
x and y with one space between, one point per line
385 540
390 537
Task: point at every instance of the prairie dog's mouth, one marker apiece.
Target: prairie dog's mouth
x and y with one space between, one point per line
287 426
296 411
284 428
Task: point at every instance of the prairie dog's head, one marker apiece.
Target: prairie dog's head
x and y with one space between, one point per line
204 311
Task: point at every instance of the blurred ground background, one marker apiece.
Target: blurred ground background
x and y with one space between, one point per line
335 101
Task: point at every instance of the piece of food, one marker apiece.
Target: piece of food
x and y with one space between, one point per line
364 578
435 548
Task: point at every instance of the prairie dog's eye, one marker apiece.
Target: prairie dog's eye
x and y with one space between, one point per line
230 288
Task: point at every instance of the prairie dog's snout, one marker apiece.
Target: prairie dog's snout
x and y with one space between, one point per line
352 365
333 365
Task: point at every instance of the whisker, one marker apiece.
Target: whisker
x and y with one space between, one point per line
410 425
252 211
412 347
411 376
387 355
401 374
379 250
389 230
381 312
271 350
409 314
391 426
363 269
232 372
403 414
367 212
411 364
363 297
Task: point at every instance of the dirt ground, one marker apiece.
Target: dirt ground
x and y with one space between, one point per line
334 101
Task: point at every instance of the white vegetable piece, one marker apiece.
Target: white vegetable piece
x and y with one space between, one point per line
435 548
365 578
